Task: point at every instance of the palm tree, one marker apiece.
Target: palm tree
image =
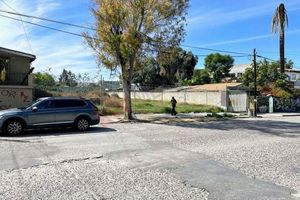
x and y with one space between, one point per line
279 22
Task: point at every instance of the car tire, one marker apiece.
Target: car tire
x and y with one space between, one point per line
82 124
13 128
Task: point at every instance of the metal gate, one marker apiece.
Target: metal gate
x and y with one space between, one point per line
237 101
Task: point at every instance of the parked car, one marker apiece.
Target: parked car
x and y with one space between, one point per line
50 112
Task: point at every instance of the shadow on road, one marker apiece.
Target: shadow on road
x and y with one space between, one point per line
65 131
278 128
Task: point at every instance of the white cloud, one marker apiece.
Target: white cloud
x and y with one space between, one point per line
248 39
239 40
207 17
53 49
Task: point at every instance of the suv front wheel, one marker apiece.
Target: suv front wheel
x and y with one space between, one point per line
13 128
82 124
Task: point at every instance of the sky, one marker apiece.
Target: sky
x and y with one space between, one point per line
230 25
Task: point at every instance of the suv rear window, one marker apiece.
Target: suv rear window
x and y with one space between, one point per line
69 103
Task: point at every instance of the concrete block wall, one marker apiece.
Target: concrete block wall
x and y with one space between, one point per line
203 97
15 96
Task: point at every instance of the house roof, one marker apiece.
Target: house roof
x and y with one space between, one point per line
241 68
10 52
216 87
294 70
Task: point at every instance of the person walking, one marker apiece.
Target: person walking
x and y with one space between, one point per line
173 103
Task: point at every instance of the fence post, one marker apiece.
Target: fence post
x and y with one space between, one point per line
205 97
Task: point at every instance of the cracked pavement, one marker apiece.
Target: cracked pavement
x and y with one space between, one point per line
233 159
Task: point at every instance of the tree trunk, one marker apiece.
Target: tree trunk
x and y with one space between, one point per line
127 98
282 58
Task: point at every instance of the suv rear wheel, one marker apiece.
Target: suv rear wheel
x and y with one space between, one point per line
13 128
82 124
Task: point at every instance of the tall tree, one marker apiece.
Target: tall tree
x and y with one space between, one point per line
44 80
126 29
176 64
279 22
201 76
218 66
67 78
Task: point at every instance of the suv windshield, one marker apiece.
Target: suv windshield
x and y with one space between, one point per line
35 103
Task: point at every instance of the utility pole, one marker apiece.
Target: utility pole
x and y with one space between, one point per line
255 76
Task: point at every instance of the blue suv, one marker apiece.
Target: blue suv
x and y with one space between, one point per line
50 112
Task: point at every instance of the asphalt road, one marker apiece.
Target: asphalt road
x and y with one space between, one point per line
234 159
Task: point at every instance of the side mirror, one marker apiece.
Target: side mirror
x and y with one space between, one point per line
34 109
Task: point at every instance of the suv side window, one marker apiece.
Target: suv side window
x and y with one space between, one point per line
69 103
45 105
77 103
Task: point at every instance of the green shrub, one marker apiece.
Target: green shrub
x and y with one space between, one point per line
168 110
39 93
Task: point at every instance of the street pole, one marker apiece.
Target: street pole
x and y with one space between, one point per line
255 88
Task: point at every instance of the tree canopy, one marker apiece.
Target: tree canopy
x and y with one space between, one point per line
218 66
148 77
267 75
176 65
169 68
127 30
200 77
44 80
68 78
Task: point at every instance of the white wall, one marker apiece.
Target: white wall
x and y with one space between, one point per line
205 97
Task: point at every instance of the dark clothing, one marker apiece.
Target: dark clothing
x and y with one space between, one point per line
173 103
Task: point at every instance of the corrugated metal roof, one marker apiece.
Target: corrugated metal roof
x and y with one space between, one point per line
215 87
241 68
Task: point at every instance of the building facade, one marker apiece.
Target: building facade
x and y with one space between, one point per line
16 81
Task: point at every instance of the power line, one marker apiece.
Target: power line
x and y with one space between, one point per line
216 50
51 28
89 28
274 52
49 20
23 25
86 27
199 55
266 58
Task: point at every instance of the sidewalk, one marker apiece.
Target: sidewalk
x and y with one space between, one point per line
165 116
158 117
272 115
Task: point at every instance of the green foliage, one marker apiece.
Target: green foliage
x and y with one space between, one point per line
148 77
67 78
39 93
170 68
267 75
201 76
288 64
176 65
44 80
218 66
